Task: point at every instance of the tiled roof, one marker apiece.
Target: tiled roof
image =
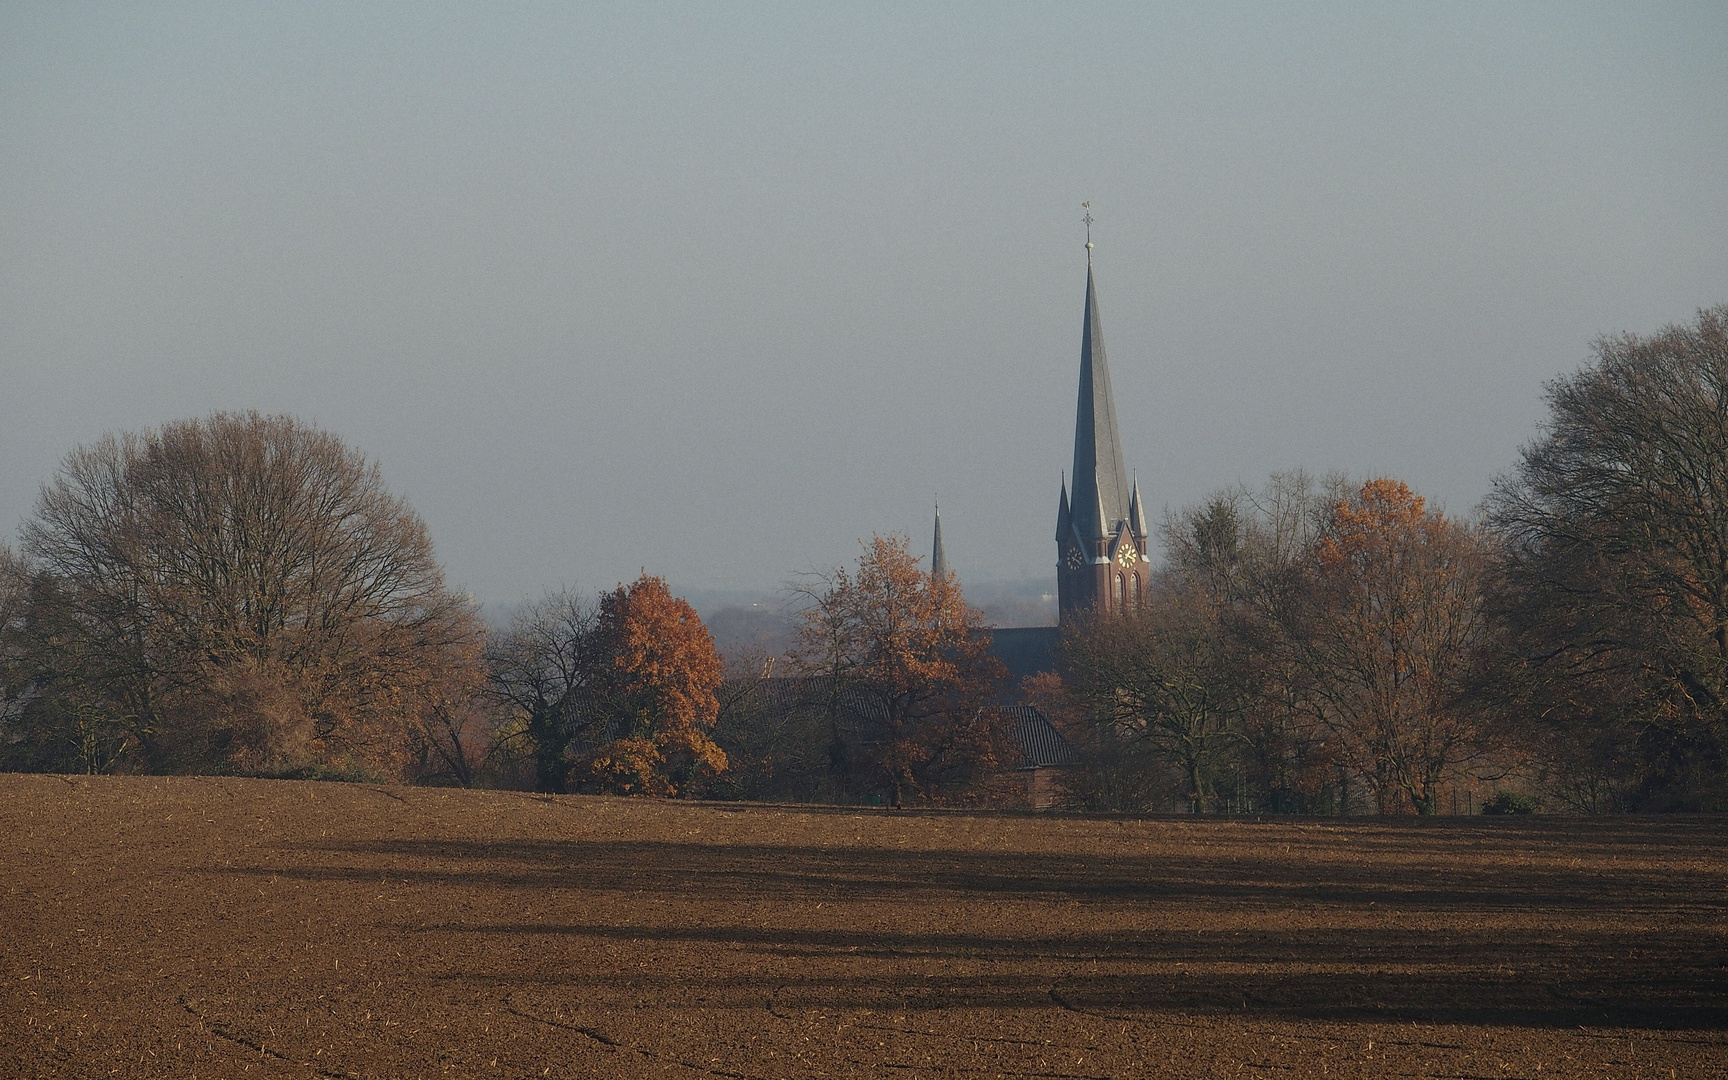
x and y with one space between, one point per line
1039 742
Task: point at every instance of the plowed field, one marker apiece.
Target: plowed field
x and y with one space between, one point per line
224 928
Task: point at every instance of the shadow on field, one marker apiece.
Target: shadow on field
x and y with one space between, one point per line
1596 944
1387 975
1373 869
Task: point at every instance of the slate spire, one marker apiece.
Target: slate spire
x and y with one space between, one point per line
1137 513
938 557
1100 496
1064 517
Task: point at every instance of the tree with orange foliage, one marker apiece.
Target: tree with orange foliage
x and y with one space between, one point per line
655 693
1393 630
908 672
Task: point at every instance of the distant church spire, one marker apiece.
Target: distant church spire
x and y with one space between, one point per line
938 557
1101 518
1099 497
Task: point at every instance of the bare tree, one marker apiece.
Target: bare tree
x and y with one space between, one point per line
459 724
1616 575
243 591
778 736
14 605
544 670
1250 551
1161 676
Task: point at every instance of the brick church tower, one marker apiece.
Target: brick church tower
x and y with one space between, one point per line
1101 526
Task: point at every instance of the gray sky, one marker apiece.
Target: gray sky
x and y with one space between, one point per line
716 291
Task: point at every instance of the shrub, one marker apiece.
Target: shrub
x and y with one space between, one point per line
1509 802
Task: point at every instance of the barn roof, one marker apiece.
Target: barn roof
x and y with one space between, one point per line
1041 745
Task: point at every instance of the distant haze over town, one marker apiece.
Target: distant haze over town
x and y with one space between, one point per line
717 291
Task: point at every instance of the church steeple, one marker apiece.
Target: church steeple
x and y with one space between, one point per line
938 557
1100 497
1101 523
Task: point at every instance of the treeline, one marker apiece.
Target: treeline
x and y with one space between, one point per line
241 594
885 697
1320 646
1308 648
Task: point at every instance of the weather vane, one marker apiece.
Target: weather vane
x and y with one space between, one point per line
1086 206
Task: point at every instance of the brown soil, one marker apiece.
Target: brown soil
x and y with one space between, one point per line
220 928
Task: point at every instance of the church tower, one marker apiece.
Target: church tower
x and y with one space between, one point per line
1100 523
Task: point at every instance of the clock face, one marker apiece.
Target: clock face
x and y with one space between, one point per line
1127 555
1074 559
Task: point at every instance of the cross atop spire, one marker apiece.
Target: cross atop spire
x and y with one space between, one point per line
1087 206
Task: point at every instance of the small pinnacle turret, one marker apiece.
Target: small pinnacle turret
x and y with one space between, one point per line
939 557
1064 516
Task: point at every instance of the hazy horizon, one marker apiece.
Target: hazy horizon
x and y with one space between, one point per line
716 291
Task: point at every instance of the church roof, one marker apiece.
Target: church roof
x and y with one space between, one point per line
1100 498
1025 650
